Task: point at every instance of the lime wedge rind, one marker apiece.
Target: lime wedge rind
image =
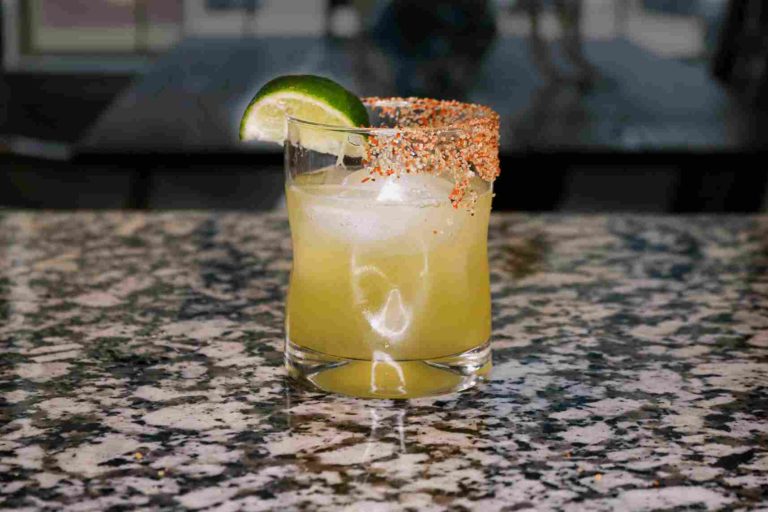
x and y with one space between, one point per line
306 97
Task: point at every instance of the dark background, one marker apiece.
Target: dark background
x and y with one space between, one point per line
625 105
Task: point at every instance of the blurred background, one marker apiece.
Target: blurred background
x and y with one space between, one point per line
606 105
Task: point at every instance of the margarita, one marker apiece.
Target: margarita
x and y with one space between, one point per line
389 293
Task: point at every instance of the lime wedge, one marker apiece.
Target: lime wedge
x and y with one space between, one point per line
309 98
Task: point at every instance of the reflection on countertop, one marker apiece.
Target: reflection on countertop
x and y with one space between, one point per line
141 367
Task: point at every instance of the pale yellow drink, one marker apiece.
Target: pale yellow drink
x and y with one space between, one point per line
389 276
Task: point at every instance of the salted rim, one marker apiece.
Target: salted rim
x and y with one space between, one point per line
429 136
475 114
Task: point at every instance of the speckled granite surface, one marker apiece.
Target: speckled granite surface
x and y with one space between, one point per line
141 367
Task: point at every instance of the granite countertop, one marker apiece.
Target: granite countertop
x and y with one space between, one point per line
141 368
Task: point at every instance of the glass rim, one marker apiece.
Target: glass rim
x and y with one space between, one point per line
477 116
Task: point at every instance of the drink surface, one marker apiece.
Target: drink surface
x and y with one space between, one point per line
387 270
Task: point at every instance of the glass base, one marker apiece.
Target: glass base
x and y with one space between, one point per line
384 377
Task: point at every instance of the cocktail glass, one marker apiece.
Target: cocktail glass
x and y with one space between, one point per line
389 292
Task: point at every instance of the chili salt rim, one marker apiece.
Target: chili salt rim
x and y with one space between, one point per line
431 136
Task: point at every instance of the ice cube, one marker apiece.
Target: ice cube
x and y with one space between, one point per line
421 189
378 209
